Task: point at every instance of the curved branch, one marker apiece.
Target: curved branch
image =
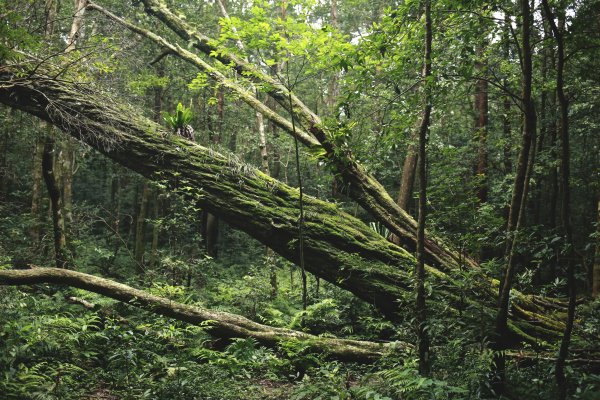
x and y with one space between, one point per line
219 323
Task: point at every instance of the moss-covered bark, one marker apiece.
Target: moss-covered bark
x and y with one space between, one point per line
363 187
218 323
338 247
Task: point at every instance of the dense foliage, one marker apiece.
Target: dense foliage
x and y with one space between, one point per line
357 64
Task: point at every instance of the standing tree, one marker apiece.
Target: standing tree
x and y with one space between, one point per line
558 31
519 197
420 306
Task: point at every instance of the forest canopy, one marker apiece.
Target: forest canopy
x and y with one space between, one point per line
299 199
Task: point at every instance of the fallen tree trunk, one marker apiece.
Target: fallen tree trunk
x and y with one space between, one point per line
362 186
218 323
337 247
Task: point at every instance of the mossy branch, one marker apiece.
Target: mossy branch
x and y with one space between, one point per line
218 323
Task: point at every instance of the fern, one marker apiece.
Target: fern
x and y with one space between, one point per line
380 229
181 118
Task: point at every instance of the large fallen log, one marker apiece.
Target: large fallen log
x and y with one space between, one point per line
217 323
362 186
338 247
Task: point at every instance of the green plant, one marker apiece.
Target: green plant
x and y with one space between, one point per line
404 381
178 120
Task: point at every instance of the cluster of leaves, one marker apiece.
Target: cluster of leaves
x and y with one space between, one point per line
178 120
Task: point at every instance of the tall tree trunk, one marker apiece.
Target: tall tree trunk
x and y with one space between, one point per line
481 125
50 169
264 157
272 104
212 235
36 192
481 106
552 129
211 227
67 154
407 180
156 110
548 192
408 174
420 307
77 25
262 143
140 229
155 229
596 270
536 202
507 136
276 155
66 158
506 104
4 145
565 211
333 88
554 178
518 200
115 197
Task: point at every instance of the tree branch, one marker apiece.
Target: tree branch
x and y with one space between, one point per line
219 323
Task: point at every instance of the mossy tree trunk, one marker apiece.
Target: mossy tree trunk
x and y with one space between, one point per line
67 154
363 187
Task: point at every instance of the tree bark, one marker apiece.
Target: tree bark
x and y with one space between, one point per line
407 181
115 195
333 88
77 25
338 247
558 32
4 145
420 306
481 125
210 229
219 323
596 270
525 160
50 10
66 158
155 229
140 229
536 206
156 195
67 154
36 192
49 172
